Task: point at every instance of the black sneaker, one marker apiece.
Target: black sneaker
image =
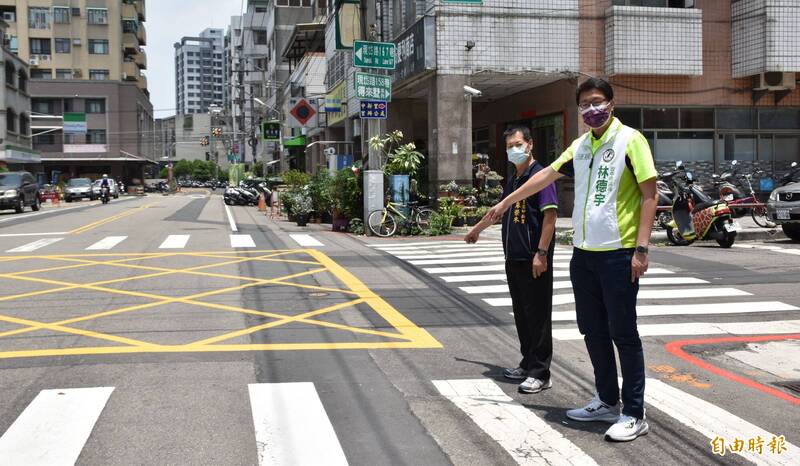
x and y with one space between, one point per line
515 374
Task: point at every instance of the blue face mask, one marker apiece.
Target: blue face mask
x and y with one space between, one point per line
517 155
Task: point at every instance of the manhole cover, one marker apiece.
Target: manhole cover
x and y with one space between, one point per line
792 385
317 295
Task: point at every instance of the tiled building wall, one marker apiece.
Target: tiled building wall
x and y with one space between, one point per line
662 41
510 36
766 36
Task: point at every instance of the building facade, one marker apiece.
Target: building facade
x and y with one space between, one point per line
200 72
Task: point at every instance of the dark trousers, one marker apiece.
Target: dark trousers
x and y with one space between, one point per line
605 304
532 300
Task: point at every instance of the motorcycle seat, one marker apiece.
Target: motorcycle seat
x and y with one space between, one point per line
706 205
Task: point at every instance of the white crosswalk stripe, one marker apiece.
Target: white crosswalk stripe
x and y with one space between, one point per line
563 285
175 242
106 243
682 293
529 439
699 328
38 244
305 240
54 427
286 416
242 241
695 309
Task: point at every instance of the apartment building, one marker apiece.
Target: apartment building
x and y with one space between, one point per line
200 72
86 57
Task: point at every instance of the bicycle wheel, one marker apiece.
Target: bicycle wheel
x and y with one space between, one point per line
424 218
382 223
759 214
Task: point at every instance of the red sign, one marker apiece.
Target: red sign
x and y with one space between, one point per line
303 112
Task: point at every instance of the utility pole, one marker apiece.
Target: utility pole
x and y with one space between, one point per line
373 178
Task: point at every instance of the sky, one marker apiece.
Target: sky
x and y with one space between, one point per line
168 21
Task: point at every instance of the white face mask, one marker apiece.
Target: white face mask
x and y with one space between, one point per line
517 154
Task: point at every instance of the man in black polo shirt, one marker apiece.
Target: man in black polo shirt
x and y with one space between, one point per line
528 242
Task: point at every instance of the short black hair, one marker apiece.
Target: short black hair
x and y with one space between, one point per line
524 130
594 83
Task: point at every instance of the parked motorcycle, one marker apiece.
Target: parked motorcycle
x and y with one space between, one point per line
693 220
792 176
665 196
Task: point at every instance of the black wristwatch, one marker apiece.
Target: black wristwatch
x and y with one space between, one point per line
642 250
541 252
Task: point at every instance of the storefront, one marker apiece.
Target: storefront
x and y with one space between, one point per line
14 158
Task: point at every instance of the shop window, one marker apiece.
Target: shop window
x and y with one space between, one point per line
629 116
737 147
779 118
787 148
697 118
765 147
685 146
736 118
660 118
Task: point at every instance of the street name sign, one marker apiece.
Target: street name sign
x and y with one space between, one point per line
374 55
270 130
373 87
374 110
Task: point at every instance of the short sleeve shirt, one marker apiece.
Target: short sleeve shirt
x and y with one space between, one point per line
522 224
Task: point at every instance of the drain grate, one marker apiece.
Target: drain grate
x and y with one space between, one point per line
317 295
792 385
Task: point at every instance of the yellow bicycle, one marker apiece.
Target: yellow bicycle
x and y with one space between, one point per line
384 222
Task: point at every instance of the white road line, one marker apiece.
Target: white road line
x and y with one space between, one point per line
242 241
712 421
54 427
476 260
694 309
107 243
496 268
795 252
35 245
424 252
488 253
286 416
14 235
567 285
55 210
419 243
474 278
446 247
529 439
231 221
175 242
305 240
700 328
678 293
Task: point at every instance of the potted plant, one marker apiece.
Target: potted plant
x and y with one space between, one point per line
319 188
302 207
346 196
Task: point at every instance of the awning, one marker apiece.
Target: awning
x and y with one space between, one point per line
14 154
306 38
299 141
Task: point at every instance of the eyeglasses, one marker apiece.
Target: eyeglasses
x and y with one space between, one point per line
587 105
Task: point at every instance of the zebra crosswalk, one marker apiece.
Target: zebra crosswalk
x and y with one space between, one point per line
291 424
478 271
169 242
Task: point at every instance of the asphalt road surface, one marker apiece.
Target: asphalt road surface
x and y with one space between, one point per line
171 330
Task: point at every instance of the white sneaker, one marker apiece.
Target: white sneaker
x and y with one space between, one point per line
596 410
627 428
534 385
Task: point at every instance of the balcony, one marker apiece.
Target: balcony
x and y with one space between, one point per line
140 58
140 9
130 71
129 12
142 83
130 43
654 41
141 34
764 37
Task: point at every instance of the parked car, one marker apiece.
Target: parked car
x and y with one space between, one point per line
17 190
783 206
114 189
77 189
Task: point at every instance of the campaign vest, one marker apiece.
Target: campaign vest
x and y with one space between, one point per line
597 180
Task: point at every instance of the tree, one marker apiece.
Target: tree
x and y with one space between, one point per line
182 169
258 169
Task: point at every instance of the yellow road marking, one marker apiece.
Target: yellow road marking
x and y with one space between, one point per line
76 331
101 222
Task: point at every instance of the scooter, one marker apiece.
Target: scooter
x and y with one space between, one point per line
792 176
665 196
693 221
105 194
729 190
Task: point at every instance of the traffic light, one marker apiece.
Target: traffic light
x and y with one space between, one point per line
204 141
216 132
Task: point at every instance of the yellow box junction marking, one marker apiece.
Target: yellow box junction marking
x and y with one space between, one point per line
405 333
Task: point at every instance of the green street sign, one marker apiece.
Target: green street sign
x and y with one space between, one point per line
373 87
271 130
373 55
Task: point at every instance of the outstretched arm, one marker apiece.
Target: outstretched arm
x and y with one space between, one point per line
535 184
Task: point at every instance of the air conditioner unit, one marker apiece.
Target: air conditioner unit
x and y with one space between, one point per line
76 42
33 60
9 16
775 81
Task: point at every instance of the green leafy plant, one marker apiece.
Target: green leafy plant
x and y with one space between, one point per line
296 178
448 206
319 188
451 187
301 202
565 237
346 194
440 225
356 226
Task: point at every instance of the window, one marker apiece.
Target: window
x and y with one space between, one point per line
10 72
48 139
63 45
41 73
98 46
96 136
11 120
692 118
129 26
685 146
38 18
737 147
260 37
61 15
42 106
660 117
98 75
13 44
24 125
40 46
779 118
63 74
69 105
736 118
787 148
629 116
656 3
97 15
22 80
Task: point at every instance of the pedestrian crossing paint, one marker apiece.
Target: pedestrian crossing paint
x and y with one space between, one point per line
566 284
175 242
54 427
794 252
106 243
700 328
528 439
287 417
682 293
305 240
711 421
695 309
242 241
489 253
478 260
38 244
